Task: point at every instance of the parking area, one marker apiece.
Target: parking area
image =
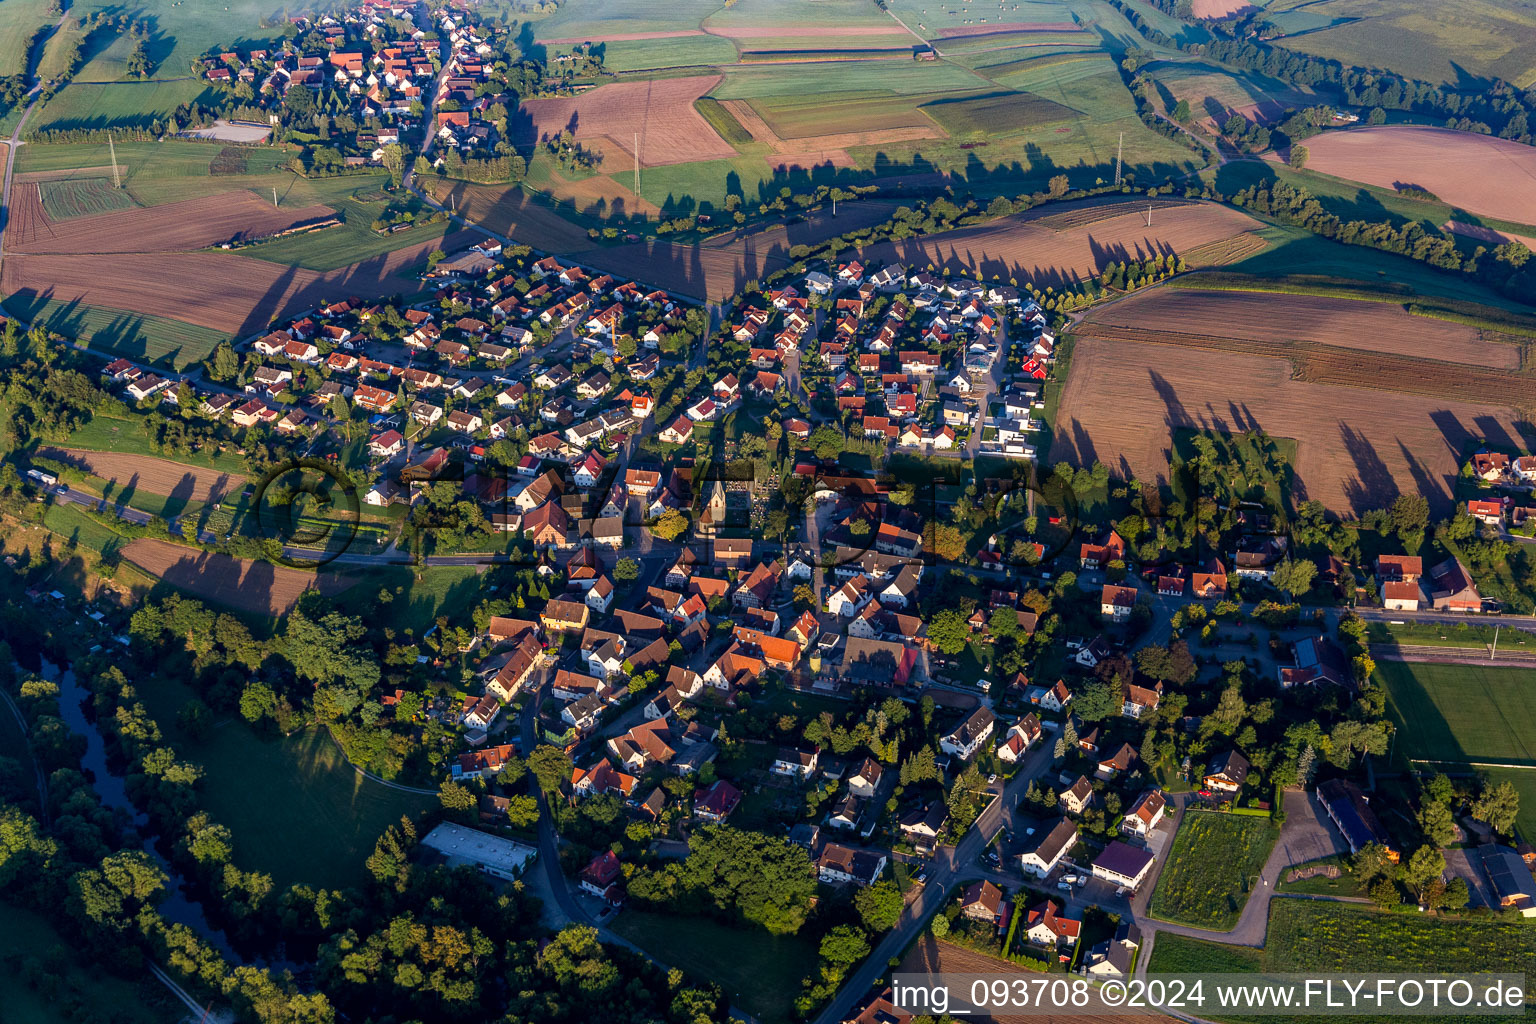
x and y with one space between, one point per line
1308 834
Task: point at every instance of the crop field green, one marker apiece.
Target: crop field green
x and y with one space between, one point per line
72 989
182 32
114 105
1460 713
81 197
348 243
1449 41
997 113
904 78
137 335
169 172
802 117
1318 936
1214 860
722 121
295 806
19 19
929 18
592 19
622 55
768 13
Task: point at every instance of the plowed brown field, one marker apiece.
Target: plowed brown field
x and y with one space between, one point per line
608 117
1494 177
930 956
238 583
1375 326
29 222
1357 448
220 291
1015 247
147 473
175 227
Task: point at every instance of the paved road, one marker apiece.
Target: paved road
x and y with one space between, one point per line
1306 835
950 867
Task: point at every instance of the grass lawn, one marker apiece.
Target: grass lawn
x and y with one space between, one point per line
297 809
83 104
104 433
1524 781
1459 713
72 989
351 242
136 335
1211 867
1268 459
680 51
761 973
74 523
1415 634
416 598
18 20
1295 252
1322 885
183 31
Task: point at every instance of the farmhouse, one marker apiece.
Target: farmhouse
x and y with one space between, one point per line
1451 588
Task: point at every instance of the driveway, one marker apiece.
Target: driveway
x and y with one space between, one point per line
1306 835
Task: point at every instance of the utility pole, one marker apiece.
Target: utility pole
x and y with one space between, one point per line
1119 152
637 167
1495 652
117 181
274 197
1149 215
834 206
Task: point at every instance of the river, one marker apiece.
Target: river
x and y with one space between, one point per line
175 905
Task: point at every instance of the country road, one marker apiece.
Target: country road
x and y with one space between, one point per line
33 94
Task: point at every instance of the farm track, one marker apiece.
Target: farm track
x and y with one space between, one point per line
1317 363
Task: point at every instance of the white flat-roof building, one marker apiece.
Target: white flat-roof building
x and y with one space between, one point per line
498 857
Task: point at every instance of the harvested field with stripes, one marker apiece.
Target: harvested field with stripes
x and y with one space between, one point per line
1367 424
607 118
1282 320
238 583
1030 251
147 473
174 227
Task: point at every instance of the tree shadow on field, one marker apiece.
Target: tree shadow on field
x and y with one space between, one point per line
1372 486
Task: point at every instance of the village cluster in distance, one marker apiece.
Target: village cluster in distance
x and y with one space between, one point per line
482 587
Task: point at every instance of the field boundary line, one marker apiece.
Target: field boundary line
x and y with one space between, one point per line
1473 764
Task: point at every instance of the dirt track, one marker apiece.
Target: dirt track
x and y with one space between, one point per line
147 473
608 117
174 227
1357 448
238 583
1501 182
